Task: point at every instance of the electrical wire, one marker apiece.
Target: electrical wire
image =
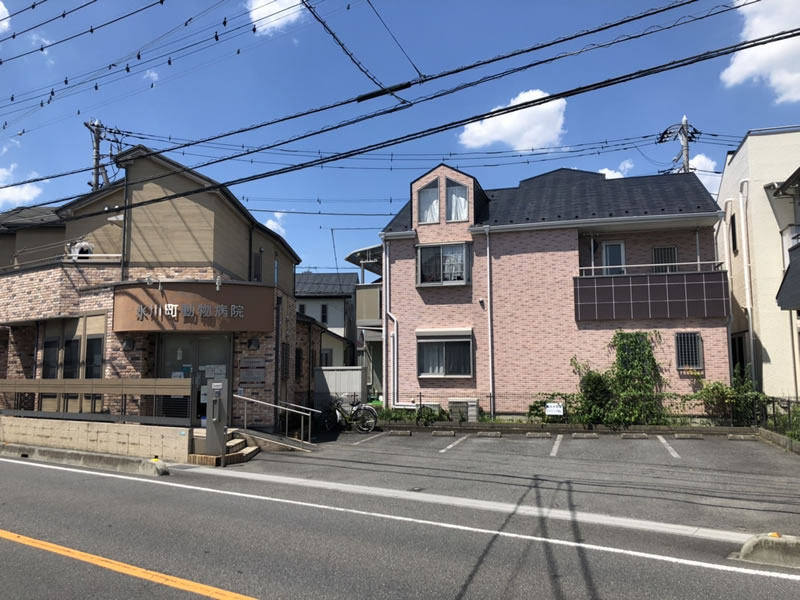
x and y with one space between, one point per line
389 31
22 10
591 87
91 30
396 108
63 15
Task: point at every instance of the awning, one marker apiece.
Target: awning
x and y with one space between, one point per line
789 293
445 332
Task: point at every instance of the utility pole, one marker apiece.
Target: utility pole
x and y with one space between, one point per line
96 129
685 133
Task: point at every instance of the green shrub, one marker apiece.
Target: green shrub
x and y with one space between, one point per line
738 404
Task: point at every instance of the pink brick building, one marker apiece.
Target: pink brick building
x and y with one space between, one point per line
490 293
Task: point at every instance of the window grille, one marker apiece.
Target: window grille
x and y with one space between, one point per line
665 258
689 350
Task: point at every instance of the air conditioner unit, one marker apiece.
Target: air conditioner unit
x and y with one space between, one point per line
463 409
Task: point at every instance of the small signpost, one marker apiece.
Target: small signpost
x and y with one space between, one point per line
554 409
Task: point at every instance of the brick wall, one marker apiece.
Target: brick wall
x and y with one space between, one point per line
308 342
535 332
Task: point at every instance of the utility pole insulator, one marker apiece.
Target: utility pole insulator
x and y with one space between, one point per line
684 133
96 129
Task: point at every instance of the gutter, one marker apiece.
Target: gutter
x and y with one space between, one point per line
716 215
396 330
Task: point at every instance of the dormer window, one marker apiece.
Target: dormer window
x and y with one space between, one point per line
457 206
428 200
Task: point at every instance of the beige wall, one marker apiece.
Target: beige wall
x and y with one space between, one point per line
763 159
338 347
168 443
7 247
29 244
105 236
285 262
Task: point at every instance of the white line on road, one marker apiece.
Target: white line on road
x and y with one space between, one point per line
669 448
454 444
452 526
556 444
369 438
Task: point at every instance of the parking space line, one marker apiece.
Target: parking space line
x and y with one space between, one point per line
369 438
556 444
454 444
669 448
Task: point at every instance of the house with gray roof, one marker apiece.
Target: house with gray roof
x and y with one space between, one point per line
487 294
330 299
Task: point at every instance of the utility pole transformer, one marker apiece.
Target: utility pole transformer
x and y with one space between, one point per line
685 133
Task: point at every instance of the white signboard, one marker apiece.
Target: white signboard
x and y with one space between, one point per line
555 409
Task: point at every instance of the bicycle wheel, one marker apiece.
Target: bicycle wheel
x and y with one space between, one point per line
365 419
327 420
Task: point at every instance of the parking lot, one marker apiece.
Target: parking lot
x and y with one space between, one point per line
749 486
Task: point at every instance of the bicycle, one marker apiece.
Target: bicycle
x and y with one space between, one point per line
361 417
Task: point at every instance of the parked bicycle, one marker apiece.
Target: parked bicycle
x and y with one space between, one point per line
360 417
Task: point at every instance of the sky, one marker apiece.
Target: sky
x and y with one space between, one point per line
191 69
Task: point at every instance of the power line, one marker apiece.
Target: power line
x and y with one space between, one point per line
91 30
389 31
22 10
63 15
347 51
367 116
606 83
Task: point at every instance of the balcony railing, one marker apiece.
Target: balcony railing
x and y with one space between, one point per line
651 291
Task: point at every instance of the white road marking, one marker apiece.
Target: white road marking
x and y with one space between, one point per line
556 444
369 438
669 448
426 523
454 444
507 508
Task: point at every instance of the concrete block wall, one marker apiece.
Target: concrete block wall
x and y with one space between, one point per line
168 443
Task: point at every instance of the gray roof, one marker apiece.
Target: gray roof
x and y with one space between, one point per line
27 216
325 284
568 194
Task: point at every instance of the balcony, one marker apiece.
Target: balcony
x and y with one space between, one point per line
368 305
652 291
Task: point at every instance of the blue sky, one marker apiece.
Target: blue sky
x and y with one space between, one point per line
291 64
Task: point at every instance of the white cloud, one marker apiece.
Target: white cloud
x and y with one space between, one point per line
276 224
775 64
150 75
4 25
702 163
526 128
622 170
269 17
14 196
37 41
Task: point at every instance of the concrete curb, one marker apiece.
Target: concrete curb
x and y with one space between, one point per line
405 432
781 440
539 435
689 436
742 438
490 434
633 436
443 433
772 549
93 460
584 436
560 428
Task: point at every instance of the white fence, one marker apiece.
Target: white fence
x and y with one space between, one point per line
340 381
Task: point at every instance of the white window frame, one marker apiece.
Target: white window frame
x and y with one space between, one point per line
467 250
608 268
431 185
447 185
698 350
444 340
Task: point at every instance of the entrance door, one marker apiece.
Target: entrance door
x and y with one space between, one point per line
196 357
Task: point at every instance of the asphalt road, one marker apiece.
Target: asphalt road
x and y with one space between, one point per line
397 518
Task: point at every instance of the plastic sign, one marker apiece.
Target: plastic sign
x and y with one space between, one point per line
554 409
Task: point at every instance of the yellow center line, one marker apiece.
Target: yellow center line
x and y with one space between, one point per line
126 569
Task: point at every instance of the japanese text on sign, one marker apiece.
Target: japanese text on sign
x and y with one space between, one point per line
188 311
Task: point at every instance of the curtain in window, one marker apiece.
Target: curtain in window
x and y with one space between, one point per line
431 358
430 264
453 263
458 358
429 204
456 203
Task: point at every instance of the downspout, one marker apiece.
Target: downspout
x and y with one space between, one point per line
250 254
276 361
492 402
697 246
728 262
748 292
396 329
125 218
384 344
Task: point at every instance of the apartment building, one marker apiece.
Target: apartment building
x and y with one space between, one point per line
488 294
330 299
759 196
161 275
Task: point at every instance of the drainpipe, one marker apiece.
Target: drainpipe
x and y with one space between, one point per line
250 255
276 359
492 402
697 246
396 329
748 292
728 264
125 219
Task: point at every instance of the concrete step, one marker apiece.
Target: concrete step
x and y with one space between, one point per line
232 458
269 442
234 445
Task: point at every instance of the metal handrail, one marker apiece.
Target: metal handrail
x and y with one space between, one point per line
305 413
693 263
319 412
